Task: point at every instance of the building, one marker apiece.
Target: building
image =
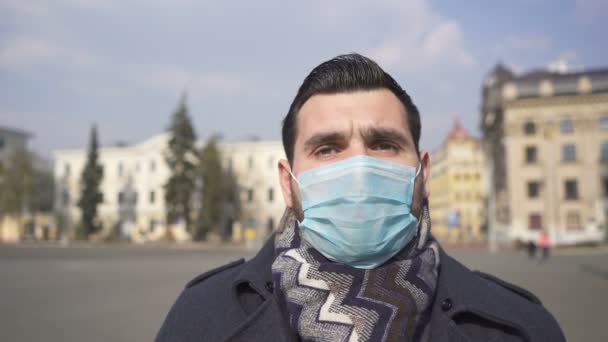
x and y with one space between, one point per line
458 188
255 166
11 140
545 137
134 179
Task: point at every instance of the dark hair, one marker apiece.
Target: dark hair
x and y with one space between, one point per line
342 74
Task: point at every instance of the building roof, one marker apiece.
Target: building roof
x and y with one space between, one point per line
540 74
15 131
561 80
458 132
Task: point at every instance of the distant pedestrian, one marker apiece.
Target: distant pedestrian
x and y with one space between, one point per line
531 249
544 244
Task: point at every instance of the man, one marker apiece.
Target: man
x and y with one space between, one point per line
353 258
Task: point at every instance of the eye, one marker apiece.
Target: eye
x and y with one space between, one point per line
326 150
384 146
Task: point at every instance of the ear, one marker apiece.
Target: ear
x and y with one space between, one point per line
425 161
285 180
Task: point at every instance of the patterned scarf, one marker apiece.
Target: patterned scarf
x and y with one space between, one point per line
327 301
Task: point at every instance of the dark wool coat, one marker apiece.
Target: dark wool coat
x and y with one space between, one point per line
235 303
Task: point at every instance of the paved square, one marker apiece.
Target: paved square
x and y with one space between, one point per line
116 293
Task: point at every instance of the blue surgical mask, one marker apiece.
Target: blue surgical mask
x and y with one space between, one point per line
357 211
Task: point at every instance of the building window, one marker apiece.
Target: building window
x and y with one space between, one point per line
135 198
65 198
270 195
569 152
604 152
573 221
66 170
250 162
121 197
137 167
533 189
271 162
120 169
152 166
531 155
152 225
566 126
605 181
604 123
250 195
529 128
152 197
571 188
270 225
535 222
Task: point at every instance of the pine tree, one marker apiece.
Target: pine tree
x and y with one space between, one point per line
16 183
181 158
217 192
210 190
90 196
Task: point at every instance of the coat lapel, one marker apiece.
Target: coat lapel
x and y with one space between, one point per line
441 326
266 322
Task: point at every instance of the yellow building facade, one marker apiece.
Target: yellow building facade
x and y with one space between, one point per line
458 188
546 142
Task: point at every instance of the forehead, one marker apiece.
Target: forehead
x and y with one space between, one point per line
352 110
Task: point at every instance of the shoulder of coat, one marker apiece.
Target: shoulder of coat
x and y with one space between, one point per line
511 287
214 271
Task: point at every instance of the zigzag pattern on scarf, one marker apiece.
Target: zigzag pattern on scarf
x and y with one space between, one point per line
305 304
333 302
346 286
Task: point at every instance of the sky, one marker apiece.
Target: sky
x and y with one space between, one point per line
124 64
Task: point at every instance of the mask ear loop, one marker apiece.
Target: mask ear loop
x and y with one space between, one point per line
298 194
292 176
417 173
418 228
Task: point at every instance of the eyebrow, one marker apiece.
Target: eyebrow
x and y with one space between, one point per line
324 138
371 134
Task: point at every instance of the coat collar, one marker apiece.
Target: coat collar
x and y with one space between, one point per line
267 322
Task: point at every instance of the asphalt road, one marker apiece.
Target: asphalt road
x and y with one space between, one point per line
123 293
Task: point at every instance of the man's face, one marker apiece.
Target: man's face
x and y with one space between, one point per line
338 126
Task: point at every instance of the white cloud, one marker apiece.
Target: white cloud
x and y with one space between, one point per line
23 52
173 78
421 38
446 40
